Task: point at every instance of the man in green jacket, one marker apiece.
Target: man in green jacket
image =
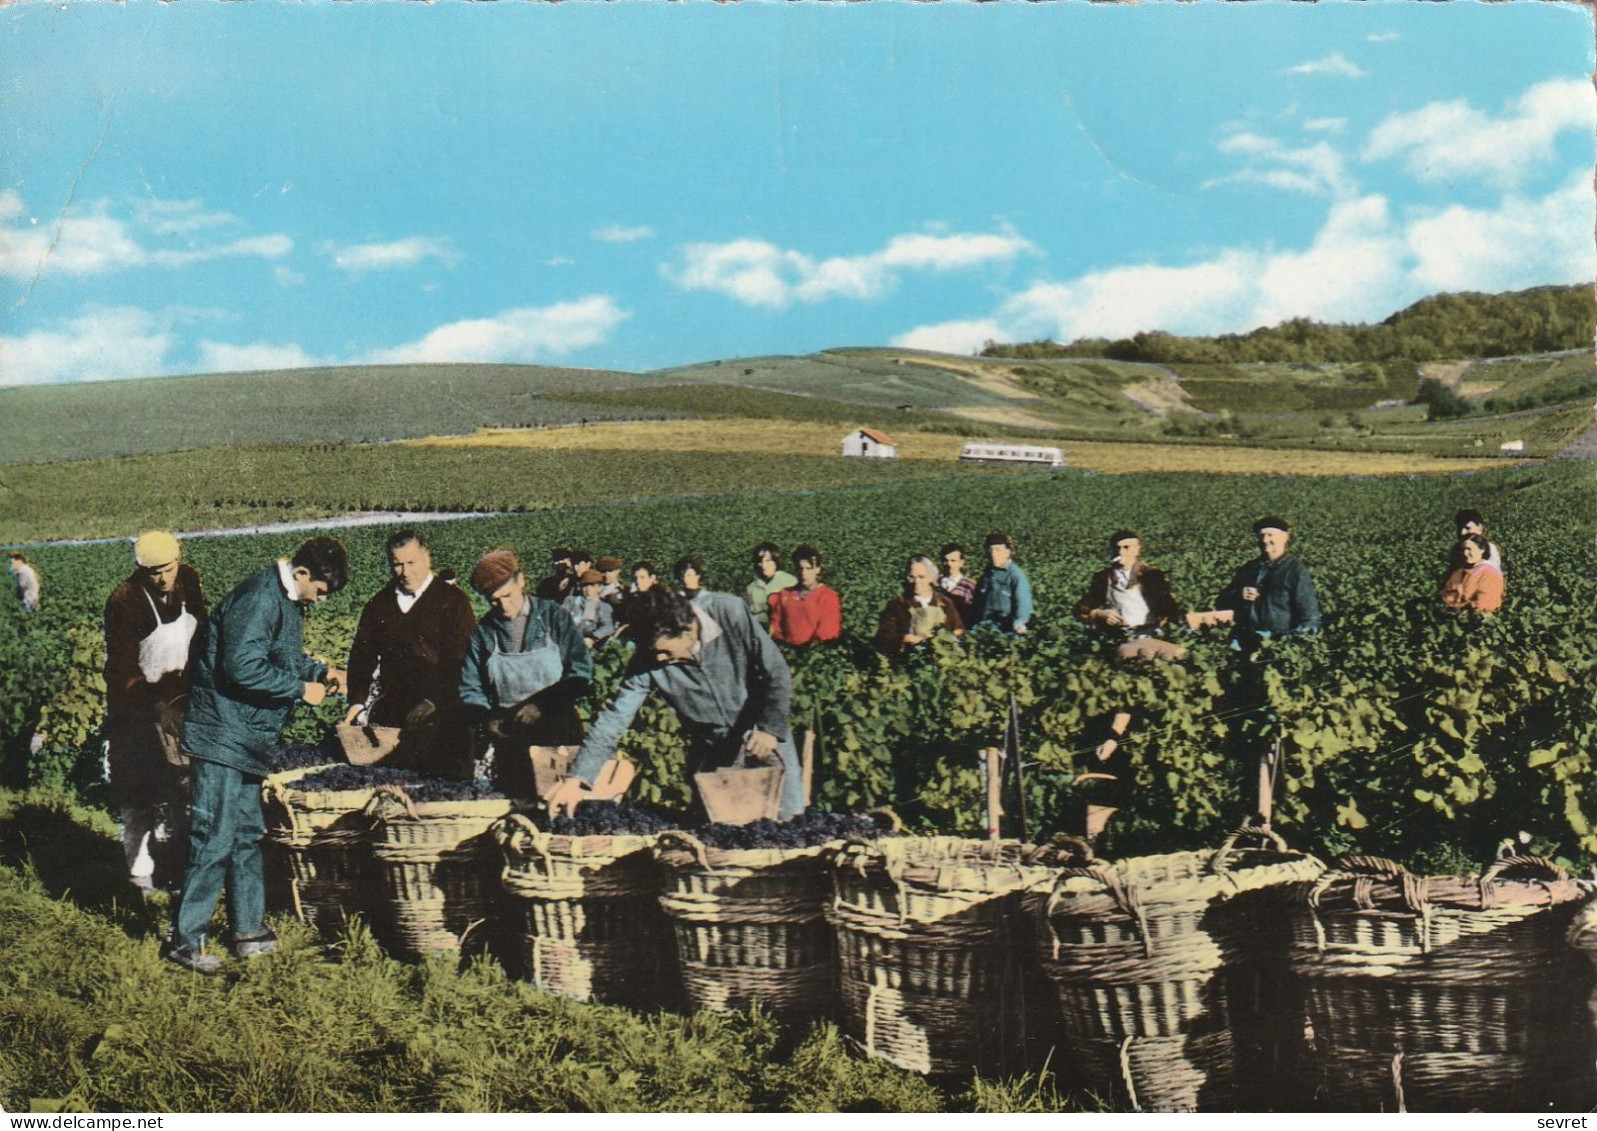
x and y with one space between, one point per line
250 670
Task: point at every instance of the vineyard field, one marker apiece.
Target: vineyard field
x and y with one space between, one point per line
1407 732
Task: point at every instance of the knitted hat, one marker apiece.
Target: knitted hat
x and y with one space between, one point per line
493 569
606 564
156 548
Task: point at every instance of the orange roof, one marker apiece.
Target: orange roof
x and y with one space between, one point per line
879 437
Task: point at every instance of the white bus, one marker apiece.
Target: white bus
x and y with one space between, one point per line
1007 452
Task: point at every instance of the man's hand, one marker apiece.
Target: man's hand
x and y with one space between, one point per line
421 714
1249 593
528 714
337 680
1020 630
353 713
1111 618
1107 748
761 746
911 638
314 693
564 797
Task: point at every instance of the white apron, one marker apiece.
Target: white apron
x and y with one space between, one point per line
167 648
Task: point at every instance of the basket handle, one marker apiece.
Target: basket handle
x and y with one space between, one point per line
275 793
515 832
894 822
1219 864
386 797
684 839
1080 853
1370 866
1127 897
1533 868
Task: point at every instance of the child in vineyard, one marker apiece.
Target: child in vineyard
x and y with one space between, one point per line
404 664
1003 598
249 671
591 612
921 610
150 623
809 612
610 590
960 589
726 680
27 579
690 575
1469 522
769 579
525 668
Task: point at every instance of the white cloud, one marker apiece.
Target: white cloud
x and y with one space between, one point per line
1325 125
1335 64
1521 243
389 256
222 357
1316 169
526 334
178 217
1362 264
1443 141
757 273
559 261
1383 37
288 277
94 242
951 337
99 344
616 233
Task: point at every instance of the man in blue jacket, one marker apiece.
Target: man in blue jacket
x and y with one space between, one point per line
1003 598
250 670
726 680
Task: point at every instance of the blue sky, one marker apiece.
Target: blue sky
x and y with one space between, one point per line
203 186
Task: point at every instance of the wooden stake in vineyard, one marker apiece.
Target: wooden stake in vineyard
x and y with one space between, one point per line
993 763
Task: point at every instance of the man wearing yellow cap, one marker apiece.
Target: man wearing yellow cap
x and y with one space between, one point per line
150 623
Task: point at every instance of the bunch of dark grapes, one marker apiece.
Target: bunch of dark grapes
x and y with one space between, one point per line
282 758
449 789
357 777
805 831
606 818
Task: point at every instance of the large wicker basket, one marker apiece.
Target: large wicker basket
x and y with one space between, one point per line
1445 993
316 848
750 926
588 922
1171 976
438 869
932 951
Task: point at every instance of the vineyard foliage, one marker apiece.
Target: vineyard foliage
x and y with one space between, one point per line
1405 730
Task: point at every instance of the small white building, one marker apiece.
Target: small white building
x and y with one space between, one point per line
1001 451
870 444
1512 448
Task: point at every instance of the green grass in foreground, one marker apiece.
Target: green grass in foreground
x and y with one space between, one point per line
91 1019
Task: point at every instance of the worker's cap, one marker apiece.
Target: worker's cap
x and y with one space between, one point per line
591 577
156 548
493 569
606 564
1272 522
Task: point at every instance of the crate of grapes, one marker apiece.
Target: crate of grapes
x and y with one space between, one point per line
931 951
1445 993
436 861
1171 974
585 892
748 908
316 837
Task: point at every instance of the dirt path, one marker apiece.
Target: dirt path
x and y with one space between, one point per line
1583 446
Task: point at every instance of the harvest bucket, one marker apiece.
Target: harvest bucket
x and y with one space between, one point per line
1445 993
931 948
1171 974
438 866
750 926
589 922
369 745
740 794
316 849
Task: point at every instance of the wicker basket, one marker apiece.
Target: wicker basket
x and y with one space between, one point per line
749 925
1445 993
931 950
1171 975
316 849
588 919
438 867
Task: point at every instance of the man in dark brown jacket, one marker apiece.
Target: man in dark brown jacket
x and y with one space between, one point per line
1130 601
404 666
151 620
916 614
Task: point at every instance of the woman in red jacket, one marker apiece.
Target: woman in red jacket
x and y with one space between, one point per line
1476 583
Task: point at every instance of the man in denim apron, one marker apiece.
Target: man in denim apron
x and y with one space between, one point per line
526 666
726 680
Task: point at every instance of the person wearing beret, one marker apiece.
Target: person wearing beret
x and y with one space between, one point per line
594 616
525 668
1271 596
151 620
